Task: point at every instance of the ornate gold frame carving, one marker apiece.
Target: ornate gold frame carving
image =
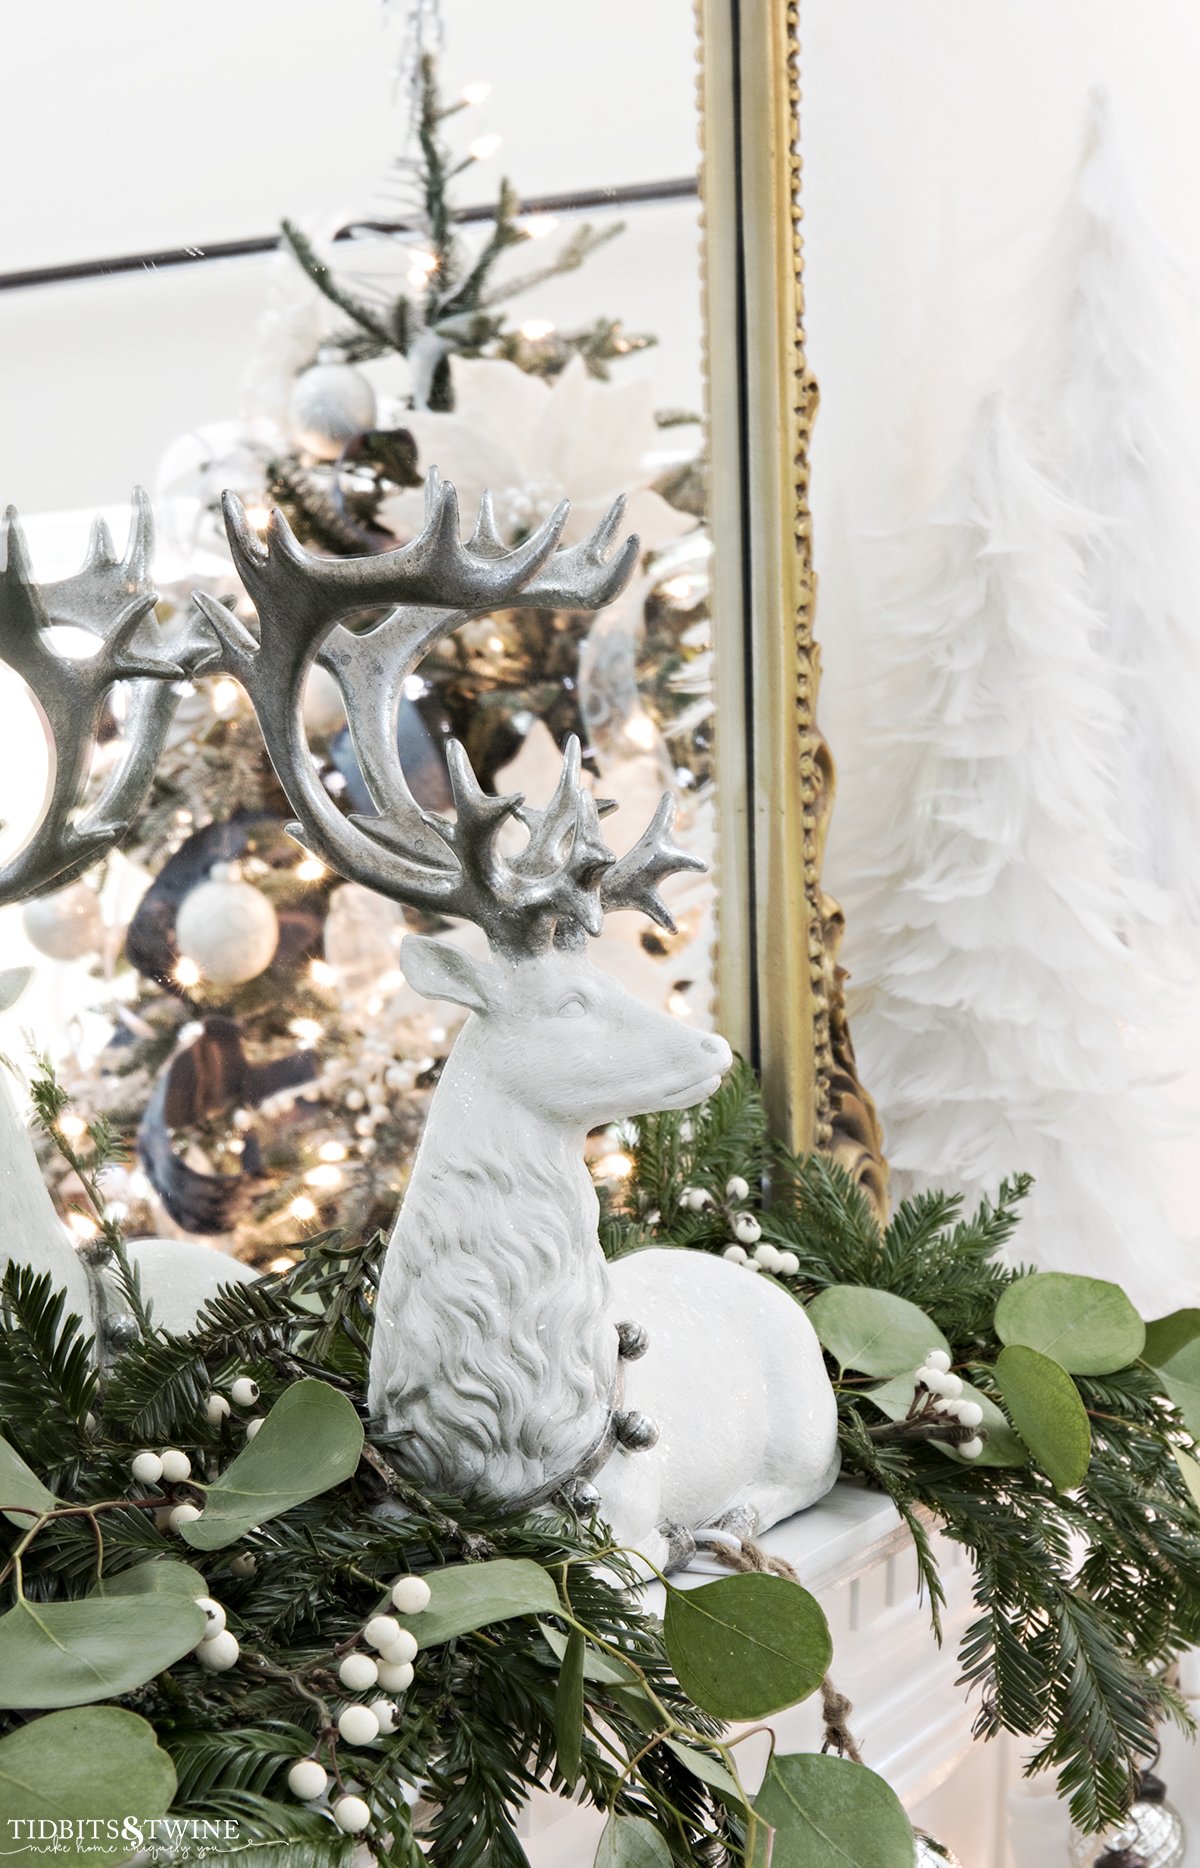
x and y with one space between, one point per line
779 985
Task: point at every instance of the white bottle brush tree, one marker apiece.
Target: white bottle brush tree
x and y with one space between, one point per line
1115 399
993 994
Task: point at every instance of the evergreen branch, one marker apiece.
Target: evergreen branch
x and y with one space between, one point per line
301 248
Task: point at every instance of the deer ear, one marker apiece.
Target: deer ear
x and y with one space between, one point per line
439 970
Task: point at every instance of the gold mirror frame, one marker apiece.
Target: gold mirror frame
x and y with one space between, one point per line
779 984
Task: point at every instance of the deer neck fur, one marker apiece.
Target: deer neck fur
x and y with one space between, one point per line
494 1361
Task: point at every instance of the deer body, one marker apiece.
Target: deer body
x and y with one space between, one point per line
497 1345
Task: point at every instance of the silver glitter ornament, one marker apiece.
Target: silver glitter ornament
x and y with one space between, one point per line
931 1854
1152 1835
331 403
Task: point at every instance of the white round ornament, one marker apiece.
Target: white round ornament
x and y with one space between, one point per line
220 1653
228 929
358 1672
331 403
351 1814
412 1596
67 925
214 1615
358 1725
307 1779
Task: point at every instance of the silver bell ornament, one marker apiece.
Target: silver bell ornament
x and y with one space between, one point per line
67 925
331 403
227 928
931 1854
1151 1836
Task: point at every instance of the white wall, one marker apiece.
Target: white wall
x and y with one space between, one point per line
131 125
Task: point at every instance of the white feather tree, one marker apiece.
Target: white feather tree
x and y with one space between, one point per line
1110 384
993 996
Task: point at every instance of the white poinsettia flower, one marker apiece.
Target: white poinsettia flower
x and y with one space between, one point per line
531 443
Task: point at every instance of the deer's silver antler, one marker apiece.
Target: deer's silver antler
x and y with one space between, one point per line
111 598
434 584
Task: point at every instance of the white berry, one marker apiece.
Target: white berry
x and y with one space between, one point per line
214 1615
245 1565
736 1188
971 1449
176 1466
403 1648
934 1380
412 1596
970 1413
252 1427
787 1265
396 1676
381 1631
938 1359
146 1468
695 1199
358 1725
182 1514
736 1254
766 1256
952 1386
358 1672
215 1410
307 1779
244 1392
351 1814
219 1654
747 1229
386 1713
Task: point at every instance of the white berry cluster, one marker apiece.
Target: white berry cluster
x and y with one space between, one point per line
217 1648
945 1388
389 1667
748 1249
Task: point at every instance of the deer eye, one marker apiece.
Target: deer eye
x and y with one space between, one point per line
574 1007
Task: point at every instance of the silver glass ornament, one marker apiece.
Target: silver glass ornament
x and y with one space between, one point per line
331 403
1152 1835
931 1854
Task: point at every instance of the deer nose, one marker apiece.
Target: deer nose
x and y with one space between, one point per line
716 1048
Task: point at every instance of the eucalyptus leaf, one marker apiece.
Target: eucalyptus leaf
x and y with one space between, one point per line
157 1577
20 1485
72 1653
1166 1336
1190 1471
1001 1446
1087 1325
97 1762
631 1842
708 1770
1047 1412
309 1442
1180 1376
829 1813
746 1646
874 1332
466 1596
597 1667
568 1708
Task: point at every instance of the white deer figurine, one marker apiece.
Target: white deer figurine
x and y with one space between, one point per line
508 1361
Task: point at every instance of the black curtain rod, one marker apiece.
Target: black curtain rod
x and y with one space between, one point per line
633 194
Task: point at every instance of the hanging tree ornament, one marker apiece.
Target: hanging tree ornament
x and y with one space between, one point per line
227 928
331 403
931 1854
1152 1835
65 926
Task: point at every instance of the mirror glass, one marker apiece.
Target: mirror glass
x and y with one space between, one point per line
492 266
